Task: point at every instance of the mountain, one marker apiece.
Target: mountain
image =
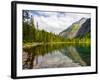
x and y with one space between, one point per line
85 29
77 29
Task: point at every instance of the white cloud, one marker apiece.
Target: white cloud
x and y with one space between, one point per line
56 21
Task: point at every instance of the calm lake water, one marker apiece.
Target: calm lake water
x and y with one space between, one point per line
56 56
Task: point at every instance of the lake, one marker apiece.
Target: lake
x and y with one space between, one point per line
56 56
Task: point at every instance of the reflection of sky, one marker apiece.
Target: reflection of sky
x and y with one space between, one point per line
56 21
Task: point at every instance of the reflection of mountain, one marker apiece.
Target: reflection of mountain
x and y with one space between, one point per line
59 55
77 29
80 54
74 55
85 53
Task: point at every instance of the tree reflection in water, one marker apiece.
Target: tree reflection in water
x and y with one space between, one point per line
56 56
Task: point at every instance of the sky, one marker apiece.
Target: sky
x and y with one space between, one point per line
56 22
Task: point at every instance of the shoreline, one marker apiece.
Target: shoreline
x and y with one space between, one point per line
28 45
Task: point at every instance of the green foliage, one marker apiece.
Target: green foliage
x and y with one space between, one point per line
75 27
27 33
31 34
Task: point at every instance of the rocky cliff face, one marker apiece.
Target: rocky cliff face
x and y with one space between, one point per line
84 29
77 29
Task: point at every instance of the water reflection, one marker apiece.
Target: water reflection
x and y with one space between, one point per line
56 56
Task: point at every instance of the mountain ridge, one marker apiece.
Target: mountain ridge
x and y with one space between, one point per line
77 29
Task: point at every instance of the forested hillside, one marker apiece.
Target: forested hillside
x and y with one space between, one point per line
78 32
31 34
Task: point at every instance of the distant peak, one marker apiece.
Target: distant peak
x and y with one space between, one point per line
82 20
